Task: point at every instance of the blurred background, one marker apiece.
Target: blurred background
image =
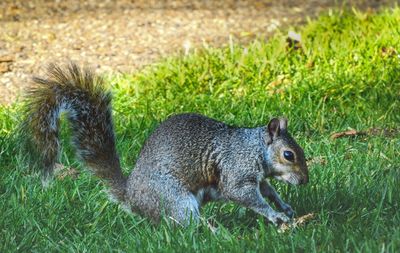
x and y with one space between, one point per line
123 36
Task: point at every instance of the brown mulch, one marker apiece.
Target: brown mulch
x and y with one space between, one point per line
122 36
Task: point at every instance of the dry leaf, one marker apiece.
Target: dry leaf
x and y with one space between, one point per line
300 221
278 85
5 67
388 51
6 58
317 160
348 133
310 64
387 132
62 172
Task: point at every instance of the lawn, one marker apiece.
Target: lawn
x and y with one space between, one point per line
346 75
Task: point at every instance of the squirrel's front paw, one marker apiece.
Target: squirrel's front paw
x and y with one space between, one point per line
278 218
288 211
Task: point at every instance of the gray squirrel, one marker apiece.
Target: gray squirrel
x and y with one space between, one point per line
186 162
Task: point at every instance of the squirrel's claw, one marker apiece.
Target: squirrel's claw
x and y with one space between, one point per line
288 211
278 218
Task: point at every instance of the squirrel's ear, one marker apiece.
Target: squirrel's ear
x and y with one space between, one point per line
283 123
273 128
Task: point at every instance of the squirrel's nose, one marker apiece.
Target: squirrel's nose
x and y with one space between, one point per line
304 180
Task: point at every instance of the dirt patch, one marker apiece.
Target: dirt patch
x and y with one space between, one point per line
122 36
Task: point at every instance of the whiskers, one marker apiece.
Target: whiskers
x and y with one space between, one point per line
290 178
294 179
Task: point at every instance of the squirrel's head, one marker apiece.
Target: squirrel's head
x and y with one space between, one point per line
286 159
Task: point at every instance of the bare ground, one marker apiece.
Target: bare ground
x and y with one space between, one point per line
122 36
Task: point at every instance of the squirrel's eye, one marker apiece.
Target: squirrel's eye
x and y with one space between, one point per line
288 155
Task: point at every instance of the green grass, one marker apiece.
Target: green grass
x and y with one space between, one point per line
347 76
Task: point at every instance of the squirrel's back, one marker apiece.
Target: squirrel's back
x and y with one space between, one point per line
186 146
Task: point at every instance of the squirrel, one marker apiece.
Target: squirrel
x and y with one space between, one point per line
186 162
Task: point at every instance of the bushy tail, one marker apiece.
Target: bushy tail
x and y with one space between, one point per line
81 94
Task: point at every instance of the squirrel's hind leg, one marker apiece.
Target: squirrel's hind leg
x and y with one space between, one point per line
180 205
166 198
183 209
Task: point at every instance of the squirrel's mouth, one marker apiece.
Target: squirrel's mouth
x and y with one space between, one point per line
290 178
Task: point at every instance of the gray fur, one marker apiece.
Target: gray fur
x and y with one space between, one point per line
186 162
